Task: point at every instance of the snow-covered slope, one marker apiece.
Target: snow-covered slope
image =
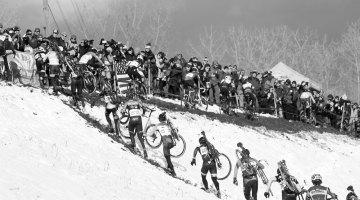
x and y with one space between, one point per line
47 151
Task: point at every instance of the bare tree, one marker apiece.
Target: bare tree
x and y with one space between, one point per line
7 15
211 44
350 49
158 28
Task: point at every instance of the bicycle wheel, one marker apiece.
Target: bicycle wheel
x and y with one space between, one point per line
89 82
123 126
179 149
204 102
153 138
224 171
141 89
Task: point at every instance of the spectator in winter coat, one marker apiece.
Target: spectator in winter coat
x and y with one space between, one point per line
54 38
214 91
255 82
33 42
175 76
73 47
354 116
130 54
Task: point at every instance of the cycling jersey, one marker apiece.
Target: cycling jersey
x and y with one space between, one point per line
317 192
134 108
85 58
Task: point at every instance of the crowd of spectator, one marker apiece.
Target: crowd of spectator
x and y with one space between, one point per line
227 86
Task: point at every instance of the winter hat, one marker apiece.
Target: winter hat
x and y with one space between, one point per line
148 45
56 31
37 30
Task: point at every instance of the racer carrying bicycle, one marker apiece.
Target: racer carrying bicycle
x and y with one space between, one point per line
250 96
133 107
210 157
168 133
112 102
77 81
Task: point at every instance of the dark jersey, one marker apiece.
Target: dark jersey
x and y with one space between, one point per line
205 153
317 192
351 196
134 108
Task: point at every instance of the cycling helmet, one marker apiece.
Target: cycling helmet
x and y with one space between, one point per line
316 179
162 117
245 152
202 140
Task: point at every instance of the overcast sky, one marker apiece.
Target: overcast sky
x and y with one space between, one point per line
189 17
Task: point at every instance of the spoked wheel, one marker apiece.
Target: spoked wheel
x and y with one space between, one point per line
303 116
123 126
179 149
105 85
224 171
153 137
204 102
89 82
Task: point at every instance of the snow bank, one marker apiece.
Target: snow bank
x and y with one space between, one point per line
47 151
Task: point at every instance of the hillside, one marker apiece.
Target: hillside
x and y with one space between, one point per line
48 150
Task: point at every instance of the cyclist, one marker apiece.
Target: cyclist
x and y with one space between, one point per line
210 158
290 187
168 133
250 179
317 191
134 71
134 106
250 96
88 58
112 102
72 46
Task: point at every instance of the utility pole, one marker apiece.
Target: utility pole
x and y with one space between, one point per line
46 15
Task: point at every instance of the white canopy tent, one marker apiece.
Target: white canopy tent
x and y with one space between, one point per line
282 72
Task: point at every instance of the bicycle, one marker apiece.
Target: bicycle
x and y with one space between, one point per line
194 98
152 137
89 79
223 162
136 87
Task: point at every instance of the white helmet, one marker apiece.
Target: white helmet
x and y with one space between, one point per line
316 178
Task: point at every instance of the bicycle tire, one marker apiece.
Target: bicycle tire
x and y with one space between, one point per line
142 89
224 159
89 82
155 135
204 102
183 148
122 121
123 126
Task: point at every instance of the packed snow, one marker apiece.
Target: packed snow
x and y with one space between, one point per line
48 151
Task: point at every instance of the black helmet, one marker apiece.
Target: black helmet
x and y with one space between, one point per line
202 140
162 117
245 152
